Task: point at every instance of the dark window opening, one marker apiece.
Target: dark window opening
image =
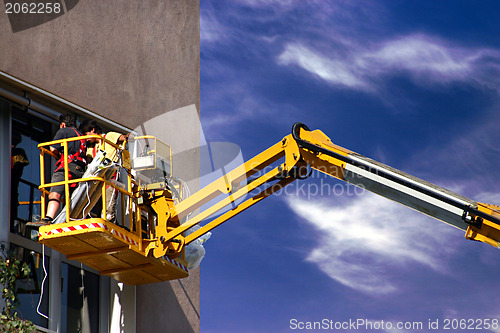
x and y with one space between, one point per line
30 290
27 132
79 300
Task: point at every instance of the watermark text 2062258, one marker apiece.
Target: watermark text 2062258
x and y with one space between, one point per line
33 8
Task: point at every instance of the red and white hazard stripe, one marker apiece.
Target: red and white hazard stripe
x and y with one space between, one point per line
174 262
124 237
75 228
91 226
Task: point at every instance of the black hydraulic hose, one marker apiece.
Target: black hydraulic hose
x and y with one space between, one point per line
312 147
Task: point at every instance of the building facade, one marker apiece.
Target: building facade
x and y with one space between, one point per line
132 66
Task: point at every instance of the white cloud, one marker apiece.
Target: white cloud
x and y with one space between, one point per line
364 241
489 198
425 59
268 3
210 28
417 54
333 71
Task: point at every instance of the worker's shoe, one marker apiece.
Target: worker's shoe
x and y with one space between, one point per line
43 222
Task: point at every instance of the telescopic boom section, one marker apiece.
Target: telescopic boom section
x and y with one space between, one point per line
313 149
481 221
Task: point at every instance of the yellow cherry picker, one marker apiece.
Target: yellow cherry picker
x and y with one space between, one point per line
160 220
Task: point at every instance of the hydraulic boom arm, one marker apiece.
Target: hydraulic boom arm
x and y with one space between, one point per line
304 149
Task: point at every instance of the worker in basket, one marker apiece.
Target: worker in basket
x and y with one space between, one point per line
76 165
91 127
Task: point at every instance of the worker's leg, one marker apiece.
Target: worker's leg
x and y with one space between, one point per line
111 196
54 204
55 195
52 209
56 192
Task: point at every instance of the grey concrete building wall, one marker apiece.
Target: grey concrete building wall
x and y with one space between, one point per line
128 61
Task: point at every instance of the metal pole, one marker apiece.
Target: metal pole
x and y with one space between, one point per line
5 172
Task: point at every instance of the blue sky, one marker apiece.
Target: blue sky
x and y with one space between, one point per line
412 84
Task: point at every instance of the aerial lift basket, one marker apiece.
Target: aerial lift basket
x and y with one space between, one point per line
111 249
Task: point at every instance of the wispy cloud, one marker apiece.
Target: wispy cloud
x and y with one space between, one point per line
211 30
423 58
420 54
336 71
268 3
362 241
